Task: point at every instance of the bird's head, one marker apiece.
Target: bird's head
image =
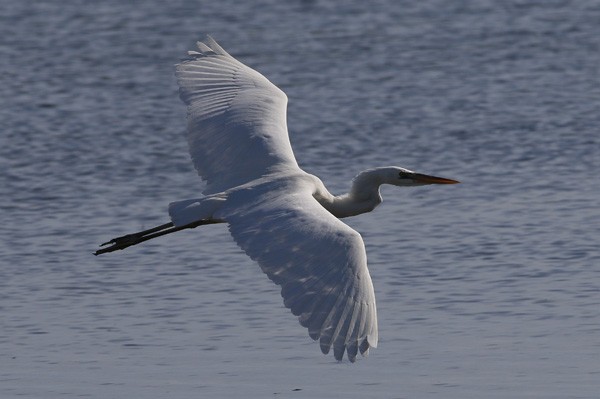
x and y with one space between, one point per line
398 176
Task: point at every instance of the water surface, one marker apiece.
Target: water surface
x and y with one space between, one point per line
485 289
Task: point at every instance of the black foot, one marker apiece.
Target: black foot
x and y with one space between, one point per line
131 239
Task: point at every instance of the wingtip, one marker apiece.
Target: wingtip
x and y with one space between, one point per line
324 348
210 45
208 39
352 350
364 347
373 339
338 352
205 47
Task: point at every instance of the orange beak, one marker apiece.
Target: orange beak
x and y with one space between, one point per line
426 179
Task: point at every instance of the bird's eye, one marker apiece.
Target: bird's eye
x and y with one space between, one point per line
402 175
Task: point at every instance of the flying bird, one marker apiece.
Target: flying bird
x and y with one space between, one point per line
282 217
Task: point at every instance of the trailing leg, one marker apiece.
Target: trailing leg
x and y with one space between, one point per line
145 235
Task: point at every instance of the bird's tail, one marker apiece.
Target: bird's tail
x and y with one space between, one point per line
191 210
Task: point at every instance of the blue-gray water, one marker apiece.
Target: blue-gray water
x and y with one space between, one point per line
487 289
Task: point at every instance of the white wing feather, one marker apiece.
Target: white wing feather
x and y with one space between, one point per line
237 129
319 261
237 133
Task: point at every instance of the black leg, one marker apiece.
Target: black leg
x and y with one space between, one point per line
133 236
145 235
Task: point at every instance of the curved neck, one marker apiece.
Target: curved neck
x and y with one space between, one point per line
363 196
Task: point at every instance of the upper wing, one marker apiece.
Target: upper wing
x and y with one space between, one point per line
237 128
319 261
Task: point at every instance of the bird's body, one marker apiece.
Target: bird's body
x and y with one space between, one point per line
363 197
281 216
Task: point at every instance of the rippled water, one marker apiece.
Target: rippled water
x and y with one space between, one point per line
487 289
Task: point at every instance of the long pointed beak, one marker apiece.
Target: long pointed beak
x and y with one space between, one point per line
427 179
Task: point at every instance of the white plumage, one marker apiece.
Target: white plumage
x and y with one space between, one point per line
237 127
282 217
237 133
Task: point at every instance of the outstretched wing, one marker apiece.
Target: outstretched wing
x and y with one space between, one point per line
237 129
319 261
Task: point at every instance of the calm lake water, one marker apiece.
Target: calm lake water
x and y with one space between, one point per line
487 289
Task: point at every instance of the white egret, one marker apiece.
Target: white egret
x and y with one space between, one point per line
282 217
